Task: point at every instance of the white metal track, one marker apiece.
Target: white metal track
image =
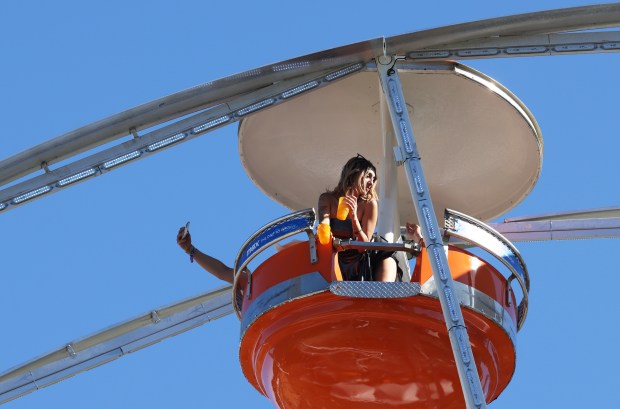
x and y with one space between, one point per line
114 342
460 41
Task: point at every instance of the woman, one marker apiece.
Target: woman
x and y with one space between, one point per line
357 185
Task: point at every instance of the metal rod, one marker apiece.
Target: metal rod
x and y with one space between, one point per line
388 225
457 332
523 46
340 245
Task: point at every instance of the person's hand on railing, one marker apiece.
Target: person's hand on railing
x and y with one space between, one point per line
413 232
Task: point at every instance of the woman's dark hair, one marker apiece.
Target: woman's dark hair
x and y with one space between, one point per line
351 177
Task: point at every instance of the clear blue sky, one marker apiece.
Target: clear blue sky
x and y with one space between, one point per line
105 251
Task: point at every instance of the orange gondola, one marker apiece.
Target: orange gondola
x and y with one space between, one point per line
311 340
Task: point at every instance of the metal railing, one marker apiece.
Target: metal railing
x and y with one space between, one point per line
481 235
265 237
341 245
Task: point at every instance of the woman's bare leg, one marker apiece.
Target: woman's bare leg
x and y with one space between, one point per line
386 270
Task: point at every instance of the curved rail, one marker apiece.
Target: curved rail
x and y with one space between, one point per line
482 235
266 236
220 94
113 342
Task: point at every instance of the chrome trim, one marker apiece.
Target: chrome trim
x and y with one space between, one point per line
273 232
266 236
476 232
476 300
374 289
281 293
314 283
485 237
504 93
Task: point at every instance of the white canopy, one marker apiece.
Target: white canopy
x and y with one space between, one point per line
481 149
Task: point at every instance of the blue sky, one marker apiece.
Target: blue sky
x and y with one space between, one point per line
105 251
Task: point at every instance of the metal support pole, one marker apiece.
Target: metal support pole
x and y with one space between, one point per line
459 339
388 225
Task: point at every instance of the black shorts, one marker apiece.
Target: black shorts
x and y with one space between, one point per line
362 266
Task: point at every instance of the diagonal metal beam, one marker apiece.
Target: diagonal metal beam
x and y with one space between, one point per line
114 342
171 135
455 323
168 108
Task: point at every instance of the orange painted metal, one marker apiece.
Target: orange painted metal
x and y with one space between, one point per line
470 270
329 351
292 261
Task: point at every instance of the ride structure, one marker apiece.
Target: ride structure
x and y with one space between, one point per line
308 338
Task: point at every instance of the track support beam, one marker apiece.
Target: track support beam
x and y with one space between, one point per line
459 339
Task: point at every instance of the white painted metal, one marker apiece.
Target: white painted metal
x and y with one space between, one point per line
388 225
483 236
482 147
457 331
528 24
601 213
114 342
524 46
222 90
566 225
156 112
571 229
179 132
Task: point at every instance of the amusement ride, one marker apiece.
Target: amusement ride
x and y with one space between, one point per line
455 150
